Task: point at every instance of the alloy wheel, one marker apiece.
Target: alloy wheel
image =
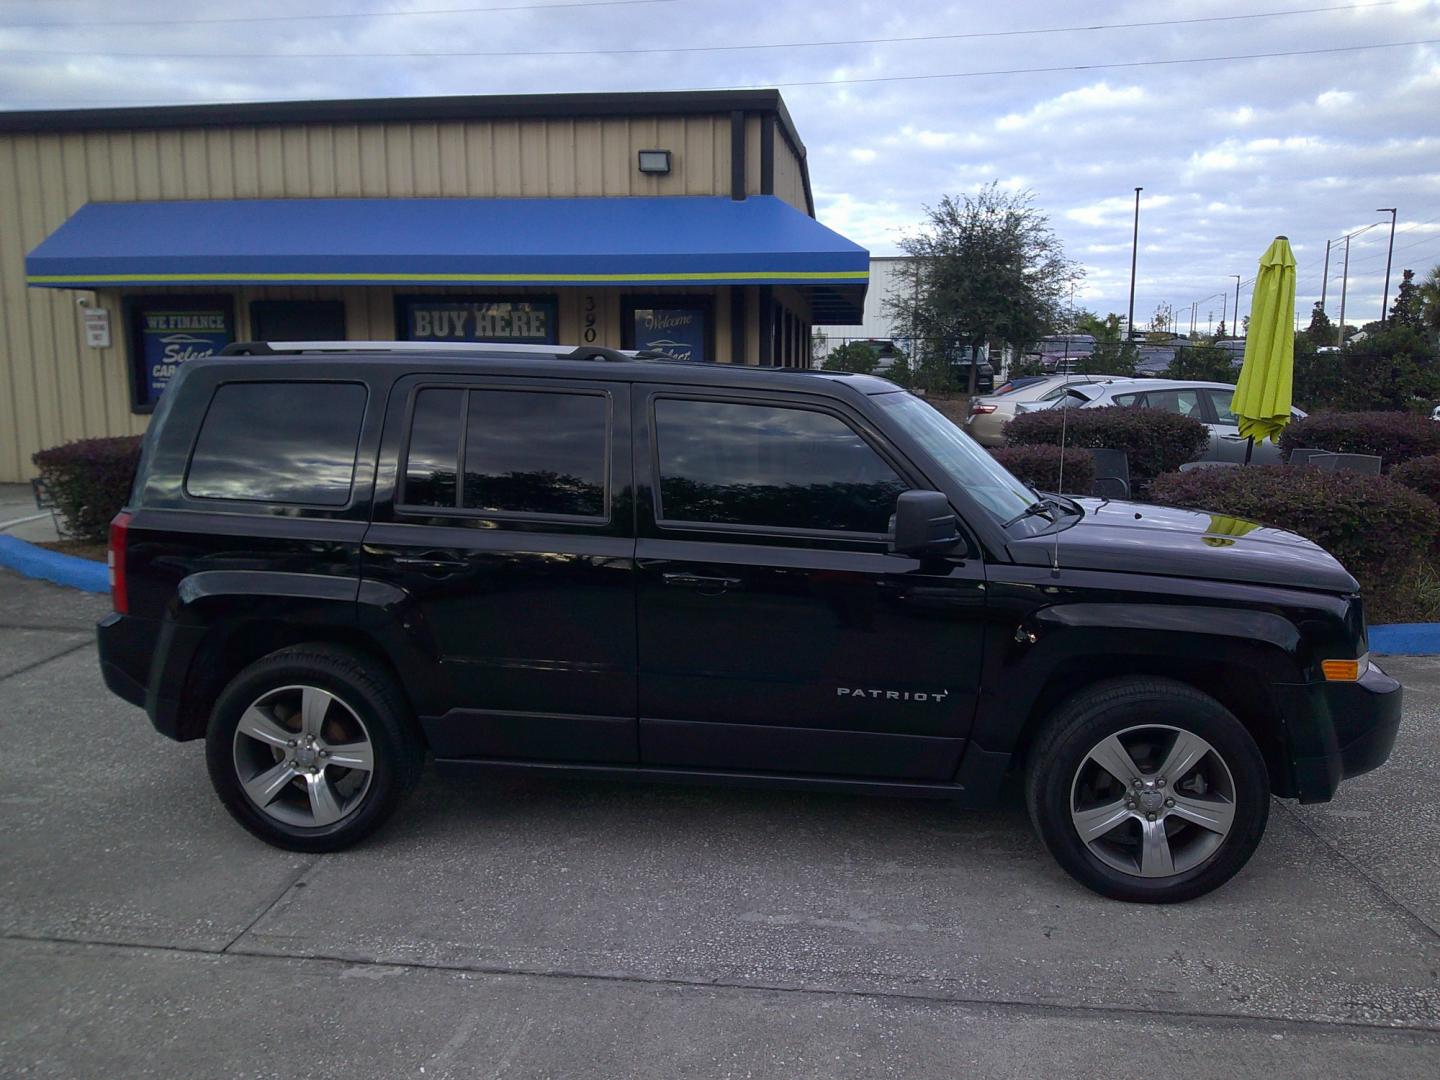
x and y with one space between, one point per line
303 756
1153 801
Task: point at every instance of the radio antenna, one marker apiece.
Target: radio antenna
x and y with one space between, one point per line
1060 472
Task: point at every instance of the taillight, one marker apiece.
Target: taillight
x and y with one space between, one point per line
115 559
982 410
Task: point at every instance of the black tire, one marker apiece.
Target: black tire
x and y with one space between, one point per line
366 693
1142 709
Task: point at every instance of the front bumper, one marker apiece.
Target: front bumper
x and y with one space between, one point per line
1352 730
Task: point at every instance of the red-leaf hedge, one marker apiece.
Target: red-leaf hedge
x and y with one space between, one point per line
1039 466
1376 527
1420 474
1393 436
1154 442
89 481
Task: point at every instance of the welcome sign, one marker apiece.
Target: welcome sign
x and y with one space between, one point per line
679 332
531 322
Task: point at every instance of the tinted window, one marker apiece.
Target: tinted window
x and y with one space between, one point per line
1184 402
431 467
728 463
1221 400
291 442
1129 399
532 452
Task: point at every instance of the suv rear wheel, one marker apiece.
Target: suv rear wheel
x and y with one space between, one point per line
311 748
1148 790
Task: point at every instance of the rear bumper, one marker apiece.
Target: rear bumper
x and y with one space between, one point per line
131 654
1355 725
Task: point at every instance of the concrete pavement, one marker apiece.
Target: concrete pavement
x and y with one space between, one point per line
548 928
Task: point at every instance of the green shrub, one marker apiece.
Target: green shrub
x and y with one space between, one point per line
1420 474
1389 369
1039 466
1378 529
1202 362
855 356
1393 436
1154 442
89 481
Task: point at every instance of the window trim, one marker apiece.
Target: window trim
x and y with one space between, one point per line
891 458
470 513
354 461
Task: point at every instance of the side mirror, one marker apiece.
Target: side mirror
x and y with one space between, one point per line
924 524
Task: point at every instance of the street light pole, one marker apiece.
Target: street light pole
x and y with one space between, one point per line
1234 332
1134 251
1385 297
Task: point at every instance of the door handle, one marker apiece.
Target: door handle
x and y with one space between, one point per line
431 562
701 582
1234 438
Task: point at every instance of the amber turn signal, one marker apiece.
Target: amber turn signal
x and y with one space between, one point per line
1342 670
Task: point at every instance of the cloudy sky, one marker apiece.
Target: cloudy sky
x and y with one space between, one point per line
1077 102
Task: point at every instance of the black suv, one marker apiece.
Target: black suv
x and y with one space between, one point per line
337 558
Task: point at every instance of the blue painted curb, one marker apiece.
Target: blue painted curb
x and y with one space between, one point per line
1406 639
38 562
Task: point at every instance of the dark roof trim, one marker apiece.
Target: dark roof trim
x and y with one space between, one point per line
370 110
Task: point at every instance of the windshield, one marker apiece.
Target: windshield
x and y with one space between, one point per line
963 459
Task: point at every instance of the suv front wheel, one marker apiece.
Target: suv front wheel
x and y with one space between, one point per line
311 748
1148 790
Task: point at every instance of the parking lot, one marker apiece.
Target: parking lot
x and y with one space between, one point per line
557 928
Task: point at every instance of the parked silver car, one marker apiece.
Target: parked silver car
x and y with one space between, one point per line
1206 401
989 414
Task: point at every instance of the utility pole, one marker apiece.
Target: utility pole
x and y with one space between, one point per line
1385 297
1134 251
1325 276
1224 300
1194 314
1344 285
1235 330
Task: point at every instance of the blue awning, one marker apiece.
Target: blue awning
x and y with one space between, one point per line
630 242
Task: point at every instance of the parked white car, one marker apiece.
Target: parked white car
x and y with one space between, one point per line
1206 401
989 414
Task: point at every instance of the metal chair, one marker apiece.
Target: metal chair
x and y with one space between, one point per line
1367 464
1112 474
1302 456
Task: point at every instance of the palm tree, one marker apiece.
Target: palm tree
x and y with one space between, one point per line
1430 300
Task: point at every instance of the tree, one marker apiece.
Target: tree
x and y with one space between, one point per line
856 356
1321 330
1430 300
983 269
1220 330
1408 309
1163 321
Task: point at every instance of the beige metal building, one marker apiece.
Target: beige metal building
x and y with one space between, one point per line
134 239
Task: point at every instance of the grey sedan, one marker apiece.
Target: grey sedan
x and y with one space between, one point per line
1206 401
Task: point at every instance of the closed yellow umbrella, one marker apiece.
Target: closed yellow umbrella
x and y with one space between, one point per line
1262 396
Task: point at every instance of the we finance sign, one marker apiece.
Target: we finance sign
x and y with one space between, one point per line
530 321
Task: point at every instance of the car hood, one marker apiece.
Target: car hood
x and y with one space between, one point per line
1142 539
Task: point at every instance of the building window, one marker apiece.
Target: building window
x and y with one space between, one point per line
166 331
291 442
682 326
518 320
730 463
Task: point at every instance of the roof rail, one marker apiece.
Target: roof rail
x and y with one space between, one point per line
481 348
266 348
